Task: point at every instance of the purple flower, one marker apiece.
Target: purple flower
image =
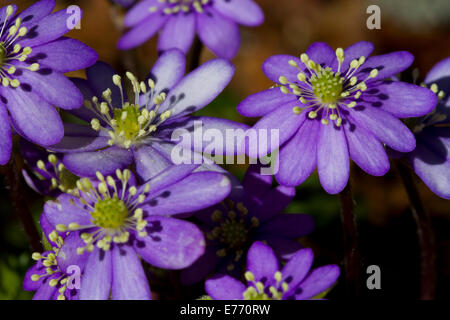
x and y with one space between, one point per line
117 222
53 275
232 226
34 56
265 281
431 158
215 21
47 174
140 129
332 106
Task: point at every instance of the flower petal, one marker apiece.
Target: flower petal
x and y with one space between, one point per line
298 157
178 32
142 32
171 243
273 202
388 65
199 87
256 183
292 225
401 99
5 136
80 144
107 161
168 70
207 135
318 281
30 285
367 152
34 117
281 123
150 162
66 209
47 29
264 102
261 261
97 278
440 74
36 12
100 78
277 66
219 34
431 160
68 256
355 51
384 127
64 55
53 87
298 267
333 163
321 53
169 177
284 248
224 288
244 12
207 188
128 277
45 291
140 12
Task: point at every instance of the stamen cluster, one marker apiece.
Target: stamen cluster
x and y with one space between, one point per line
129 124
11 51
50 262
114 209
232 230
321 88
259 291
176 6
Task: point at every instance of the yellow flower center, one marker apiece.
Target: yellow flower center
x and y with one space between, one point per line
110 213
128 121
327 86
2 54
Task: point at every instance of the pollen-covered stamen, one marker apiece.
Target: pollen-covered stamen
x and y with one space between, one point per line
113 208
50 262
260 291
130 122
232 230
61 178
180 6
11 51
323 89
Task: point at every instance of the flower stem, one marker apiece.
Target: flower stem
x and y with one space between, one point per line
196 54
425 233
351 251
19 203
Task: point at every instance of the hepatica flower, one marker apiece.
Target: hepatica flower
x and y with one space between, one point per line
117 222
139 128
231 227
47 175
331 106
430 159
266 281
57 272
215 21
33 57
